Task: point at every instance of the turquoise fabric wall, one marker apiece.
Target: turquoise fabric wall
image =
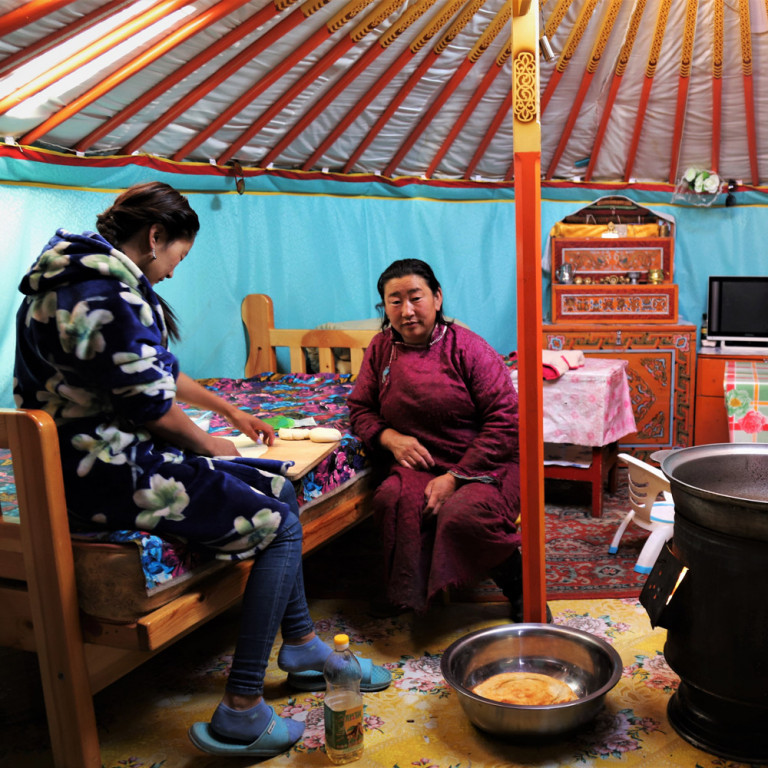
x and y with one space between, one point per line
317 247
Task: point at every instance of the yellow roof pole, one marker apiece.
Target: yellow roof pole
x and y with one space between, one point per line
526 141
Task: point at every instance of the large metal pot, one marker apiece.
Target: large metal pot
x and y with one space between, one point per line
722 487
710 590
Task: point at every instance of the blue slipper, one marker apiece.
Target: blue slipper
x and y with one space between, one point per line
276 739
375 678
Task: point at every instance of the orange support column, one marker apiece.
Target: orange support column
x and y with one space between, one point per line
527 166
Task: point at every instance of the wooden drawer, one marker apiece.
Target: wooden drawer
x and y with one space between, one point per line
614 303
709 376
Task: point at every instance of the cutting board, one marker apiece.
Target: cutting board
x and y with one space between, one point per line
304 453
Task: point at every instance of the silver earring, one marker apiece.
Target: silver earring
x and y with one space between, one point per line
154 255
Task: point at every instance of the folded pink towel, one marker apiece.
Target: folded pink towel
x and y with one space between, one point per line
556 363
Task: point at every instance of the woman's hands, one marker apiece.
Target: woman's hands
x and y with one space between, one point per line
438 491
190 391
249 425
407 450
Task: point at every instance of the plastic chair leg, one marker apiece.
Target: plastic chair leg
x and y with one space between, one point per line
614 547
652 548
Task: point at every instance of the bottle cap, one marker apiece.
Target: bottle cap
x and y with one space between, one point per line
341 642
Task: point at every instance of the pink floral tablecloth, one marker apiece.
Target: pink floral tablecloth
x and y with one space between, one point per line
746 400
589 405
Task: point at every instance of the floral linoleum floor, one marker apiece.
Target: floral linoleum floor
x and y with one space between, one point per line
416 723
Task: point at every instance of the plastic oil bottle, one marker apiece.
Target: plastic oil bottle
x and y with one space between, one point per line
343 704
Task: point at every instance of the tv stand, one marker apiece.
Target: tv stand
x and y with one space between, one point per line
710 423
733 348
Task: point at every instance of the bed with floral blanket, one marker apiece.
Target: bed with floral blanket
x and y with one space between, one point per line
123 574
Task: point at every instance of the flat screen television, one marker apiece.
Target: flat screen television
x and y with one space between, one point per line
737 311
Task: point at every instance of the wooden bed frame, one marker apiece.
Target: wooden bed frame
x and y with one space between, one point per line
38 590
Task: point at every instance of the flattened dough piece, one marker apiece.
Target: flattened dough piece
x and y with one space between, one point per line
525 688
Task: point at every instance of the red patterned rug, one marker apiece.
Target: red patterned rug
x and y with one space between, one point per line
578 564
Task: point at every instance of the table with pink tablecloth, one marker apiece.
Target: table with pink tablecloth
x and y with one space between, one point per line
587 406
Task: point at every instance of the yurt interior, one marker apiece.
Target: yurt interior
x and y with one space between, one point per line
588 180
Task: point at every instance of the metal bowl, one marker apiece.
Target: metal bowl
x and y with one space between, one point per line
589 665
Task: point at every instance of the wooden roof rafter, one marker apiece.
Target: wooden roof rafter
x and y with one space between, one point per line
571 44
361 30
650 71
85 55
59 36
717 81
447 12
294 19
492 31
606 27
27 13
686 54
491 74
493 128
223 43
412 14
423 67
745 29
144 59
621 66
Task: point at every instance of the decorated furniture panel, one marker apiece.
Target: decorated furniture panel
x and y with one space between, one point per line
711 416
600 257
660 372
618 303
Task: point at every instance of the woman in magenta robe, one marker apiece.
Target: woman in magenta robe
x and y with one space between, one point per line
435 407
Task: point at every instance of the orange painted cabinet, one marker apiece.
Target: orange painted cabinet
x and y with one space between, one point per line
661 371
711 418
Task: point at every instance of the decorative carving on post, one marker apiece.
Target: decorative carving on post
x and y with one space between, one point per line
524 86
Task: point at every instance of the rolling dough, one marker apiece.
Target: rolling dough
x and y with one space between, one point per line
324 435
287 433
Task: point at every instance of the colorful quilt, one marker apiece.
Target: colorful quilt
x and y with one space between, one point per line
281 399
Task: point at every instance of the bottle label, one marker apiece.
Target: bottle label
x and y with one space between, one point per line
343 727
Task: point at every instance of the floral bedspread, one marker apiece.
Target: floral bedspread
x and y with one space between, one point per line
280 398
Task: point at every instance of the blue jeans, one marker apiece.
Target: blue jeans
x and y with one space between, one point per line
274 597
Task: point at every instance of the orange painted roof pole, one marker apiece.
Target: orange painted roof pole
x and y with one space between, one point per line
60 35
192 27
423 67
90 52
28 13
527 170
469 108
176 37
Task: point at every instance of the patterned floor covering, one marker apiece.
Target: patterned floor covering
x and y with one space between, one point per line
578 564
416 723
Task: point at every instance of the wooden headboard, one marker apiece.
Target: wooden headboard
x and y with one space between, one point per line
258 316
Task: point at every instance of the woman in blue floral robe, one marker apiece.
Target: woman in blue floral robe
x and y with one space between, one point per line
92 350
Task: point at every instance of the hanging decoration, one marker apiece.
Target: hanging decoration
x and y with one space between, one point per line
698 186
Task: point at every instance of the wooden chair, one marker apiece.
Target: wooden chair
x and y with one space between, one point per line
38 597
646 484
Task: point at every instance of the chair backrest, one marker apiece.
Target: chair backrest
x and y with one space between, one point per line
258 317
38 595
646 483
